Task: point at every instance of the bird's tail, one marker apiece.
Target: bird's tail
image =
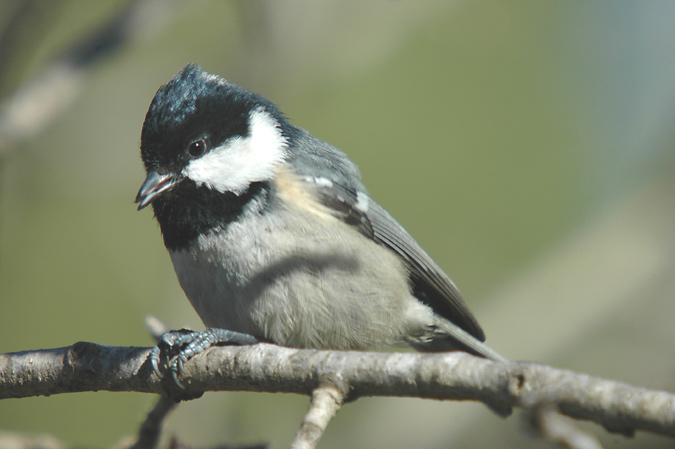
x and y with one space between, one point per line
450 337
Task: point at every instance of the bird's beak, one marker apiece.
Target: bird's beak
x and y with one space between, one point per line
155 185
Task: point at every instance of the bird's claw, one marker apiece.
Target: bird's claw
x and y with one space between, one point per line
185 344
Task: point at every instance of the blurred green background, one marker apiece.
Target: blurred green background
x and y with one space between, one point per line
527 145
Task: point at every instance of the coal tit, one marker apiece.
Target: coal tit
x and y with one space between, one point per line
274 238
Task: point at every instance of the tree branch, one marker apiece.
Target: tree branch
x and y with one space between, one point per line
326 402
561 430
337 375
151 428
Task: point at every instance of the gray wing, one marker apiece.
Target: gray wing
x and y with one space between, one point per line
430 284
337 181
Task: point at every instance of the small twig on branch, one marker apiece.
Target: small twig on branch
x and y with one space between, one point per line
150 430
156 327
326 402
560 429
264 367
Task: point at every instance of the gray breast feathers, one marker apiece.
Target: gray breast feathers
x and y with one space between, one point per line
300 277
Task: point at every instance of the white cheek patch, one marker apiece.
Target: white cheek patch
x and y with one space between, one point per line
241 161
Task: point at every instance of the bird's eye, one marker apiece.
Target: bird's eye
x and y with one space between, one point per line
197 148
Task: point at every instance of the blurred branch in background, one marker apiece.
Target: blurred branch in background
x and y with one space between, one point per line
48 93
616 271
23 24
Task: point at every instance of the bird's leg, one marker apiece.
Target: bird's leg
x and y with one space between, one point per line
185 344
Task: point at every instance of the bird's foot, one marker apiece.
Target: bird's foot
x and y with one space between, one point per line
184 344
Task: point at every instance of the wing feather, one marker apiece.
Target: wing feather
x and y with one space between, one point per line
430 284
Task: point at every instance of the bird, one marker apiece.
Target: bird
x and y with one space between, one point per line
274 238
